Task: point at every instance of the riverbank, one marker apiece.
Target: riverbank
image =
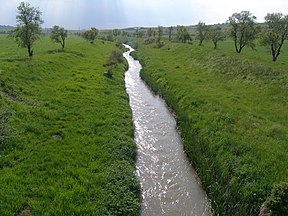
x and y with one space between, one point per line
66 135
232 112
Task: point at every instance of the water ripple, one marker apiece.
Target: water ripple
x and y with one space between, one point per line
169 184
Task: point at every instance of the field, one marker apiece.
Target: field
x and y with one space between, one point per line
66 133
232 112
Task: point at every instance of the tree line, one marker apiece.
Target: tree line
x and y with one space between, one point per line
243 29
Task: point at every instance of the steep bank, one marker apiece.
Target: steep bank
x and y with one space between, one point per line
232 112
66 132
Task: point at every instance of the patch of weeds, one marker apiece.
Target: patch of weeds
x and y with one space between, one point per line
277 203
118 179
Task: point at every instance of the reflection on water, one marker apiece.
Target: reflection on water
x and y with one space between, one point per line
169 184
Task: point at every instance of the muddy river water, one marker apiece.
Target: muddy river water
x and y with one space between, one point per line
169 184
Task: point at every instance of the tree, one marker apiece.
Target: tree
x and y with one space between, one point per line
159 35
202 32
139 34
116 32
170 31
154 33
125 34
28 29
58 35
90 35
182 34
149 32
243 29
109 36
216 35
276 33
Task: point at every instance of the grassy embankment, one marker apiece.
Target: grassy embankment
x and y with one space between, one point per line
66 145
233 115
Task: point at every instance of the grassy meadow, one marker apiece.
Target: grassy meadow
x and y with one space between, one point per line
232 112
66 133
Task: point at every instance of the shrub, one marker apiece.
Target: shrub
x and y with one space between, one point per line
114 58
149 41
109 72
277 203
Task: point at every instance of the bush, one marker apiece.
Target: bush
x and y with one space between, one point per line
149 41
109 72
277 203
115 58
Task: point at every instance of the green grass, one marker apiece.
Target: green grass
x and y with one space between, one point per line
66 135
233 115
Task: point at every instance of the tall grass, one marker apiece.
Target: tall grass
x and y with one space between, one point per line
66 132
232 112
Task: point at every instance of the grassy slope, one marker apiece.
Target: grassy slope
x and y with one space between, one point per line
66 144
232 111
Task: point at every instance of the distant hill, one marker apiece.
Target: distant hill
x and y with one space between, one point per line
4 29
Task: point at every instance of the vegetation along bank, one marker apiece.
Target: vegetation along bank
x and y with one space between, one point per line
232 112
66 145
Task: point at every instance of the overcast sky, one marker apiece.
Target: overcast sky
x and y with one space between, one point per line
103 14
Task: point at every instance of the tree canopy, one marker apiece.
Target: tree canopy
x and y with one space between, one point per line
59 35
202 32
159 36
216 34
170 31
182 34
90 35
243 29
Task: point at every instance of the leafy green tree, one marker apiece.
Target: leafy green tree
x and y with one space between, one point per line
28 29
275 33
90 35
182 34
116 32
154 33
59 35
216 34
109 36
170 31
202 32
139 34
243 29
124 33
159 35
149 32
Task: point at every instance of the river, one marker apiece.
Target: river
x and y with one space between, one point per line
169 184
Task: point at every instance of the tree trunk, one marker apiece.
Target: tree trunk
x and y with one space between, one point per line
30 52
235 44
215 45
240 49
63 44
200 42
275 52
